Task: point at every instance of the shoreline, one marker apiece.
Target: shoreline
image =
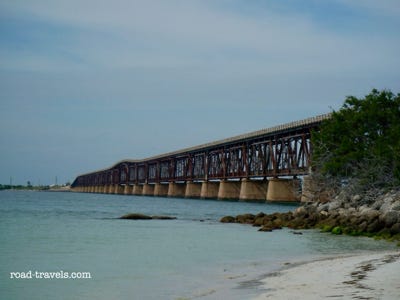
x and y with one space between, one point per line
362 276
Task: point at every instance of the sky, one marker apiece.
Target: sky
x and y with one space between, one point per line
87 83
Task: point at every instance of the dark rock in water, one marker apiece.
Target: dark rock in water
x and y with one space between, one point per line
268 228
228 219
245 219
297 232
136 216
163 218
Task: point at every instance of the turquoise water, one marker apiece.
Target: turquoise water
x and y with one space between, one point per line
193 257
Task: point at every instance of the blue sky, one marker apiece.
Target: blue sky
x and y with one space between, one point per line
86 83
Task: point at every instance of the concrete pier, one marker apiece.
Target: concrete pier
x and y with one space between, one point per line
176 189
119 189
209 190
287 190
229 190
148 189
110 189
193 189
128 189
137 189
161 190
253 190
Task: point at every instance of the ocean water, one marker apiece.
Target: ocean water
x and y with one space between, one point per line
193 257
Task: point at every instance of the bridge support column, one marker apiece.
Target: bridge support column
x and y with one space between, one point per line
112 189
161 190
209 190
229 190
283 190
119 189
137 189
193 189
104 189
176 189
253 190
148 189
128 189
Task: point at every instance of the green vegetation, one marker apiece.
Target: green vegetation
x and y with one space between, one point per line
360 144
381 235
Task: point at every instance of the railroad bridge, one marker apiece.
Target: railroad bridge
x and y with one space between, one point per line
264 165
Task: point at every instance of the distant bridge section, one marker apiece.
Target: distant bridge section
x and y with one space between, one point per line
252 166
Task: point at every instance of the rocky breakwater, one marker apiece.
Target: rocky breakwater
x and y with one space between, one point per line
377 216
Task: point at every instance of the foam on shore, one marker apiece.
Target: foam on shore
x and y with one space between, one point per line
365 276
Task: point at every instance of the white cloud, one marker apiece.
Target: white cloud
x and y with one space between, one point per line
196 33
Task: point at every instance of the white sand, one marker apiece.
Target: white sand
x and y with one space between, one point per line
372 276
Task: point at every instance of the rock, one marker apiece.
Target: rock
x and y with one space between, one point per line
370 215
323 207
300 212
356 198
390 218
260 215
163 218
267 228
363 226
135 216
297 232
396 206
259 221
324 213
227 219
375 226
395 229
245 219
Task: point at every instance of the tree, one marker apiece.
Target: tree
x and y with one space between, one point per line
361 142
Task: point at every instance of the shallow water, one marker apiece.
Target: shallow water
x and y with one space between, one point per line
193 257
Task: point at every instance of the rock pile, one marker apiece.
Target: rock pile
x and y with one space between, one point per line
354 215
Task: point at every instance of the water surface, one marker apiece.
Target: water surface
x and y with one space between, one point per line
193 257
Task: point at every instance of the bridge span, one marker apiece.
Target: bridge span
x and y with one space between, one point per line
263 165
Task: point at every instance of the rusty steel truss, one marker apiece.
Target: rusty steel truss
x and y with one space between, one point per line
283 150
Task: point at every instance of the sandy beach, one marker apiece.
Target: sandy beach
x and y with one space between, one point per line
366 276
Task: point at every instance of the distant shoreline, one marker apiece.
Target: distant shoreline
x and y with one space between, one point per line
36 188
59 189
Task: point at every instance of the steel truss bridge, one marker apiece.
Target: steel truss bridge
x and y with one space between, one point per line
280 151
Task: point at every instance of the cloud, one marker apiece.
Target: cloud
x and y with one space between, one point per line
181 34
387 8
